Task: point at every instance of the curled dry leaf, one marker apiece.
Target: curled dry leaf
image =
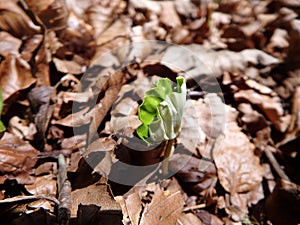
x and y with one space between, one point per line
151 205
271 106
15 21
17 157
102 15
43 185
52 13
77 39
9 44
22 128
15 75
238 168
97 194
30 46
198 175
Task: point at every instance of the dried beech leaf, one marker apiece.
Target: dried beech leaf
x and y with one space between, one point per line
15 21
168 14
15 76
54 9
189 218
9 44
30 46
101 16
271 106
43 185
67 66
238 168
17 156
97 194
164 209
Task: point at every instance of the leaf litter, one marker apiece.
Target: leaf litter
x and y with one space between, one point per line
236 141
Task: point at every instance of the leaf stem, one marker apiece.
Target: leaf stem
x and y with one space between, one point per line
167 153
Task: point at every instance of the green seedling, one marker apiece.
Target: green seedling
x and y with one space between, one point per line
2 127
161 114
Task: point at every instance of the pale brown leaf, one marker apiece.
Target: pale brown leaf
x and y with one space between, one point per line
97 194
15 75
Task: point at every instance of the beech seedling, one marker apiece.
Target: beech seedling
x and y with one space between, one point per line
161 112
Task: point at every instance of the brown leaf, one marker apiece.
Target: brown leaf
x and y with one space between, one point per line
168 14
15 76
43 185
102 15
56 10
15 21
9 44
68 66
271 106
17 156
238 168
30 46
97 194
164 209
189 218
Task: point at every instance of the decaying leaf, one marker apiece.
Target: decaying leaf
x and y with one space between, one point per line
238 168
164 207
15 75
97 194
17 158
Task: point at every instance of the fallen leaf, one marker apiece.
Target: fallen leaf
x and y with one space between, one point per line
15 21
238 168
17 157
9 44
189 218
15 76
97 194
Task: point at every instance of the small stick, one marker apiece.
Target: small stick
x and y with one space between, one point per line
189 208
64 190
167 153
275 164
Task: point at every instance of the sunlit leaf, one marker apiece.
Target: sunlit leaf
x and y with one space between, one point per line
161 111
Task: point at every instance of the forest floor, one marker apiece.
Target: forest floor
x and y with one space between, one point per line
72 77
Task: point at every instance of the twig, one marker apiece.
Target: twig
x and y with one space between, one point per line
189 208
167 153
64 190
275 164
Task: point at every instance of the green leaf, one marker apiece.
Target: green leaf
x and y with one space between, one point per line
161 111
2 127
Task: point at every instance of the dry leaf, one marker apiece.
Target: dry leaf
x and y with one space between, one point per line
15 21
238 168
15 75
17 157
97 194
9 44
56 10
271 106
189 218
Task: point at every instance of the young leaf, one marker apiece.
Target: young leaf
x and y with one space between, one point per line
161 111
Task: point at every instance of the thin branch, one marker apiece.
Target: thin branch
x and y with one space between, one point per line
275 164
